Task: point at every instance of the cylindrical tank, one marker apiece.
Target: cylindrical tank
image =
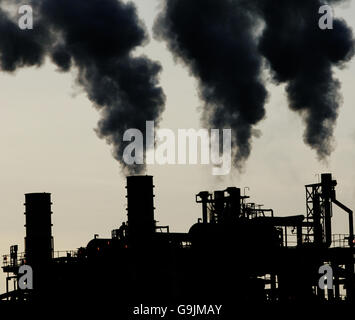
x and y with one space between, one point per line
140 207
38 240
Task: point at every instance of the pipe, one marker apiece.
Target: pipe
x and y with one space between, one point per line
351 223
327 185
218 206
204 195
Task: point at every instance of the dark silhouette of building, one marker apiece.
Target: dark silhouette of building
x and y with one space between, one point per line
238 252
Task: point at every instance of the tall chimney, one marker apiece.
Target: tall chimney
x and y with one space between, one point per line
327 191
39 240
140 207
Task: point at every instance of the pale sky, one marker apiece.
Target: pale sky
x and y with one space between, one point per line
48 144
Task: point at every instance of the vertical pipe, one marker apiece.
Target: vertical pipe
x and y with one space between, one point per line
204 199
330 293
204 212
350 287
299 235
218 206
351 230
336 282
326 180
273 287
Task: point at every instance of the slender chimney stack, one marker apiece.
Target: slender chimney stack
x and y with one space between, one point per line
140 202
39 240
327 191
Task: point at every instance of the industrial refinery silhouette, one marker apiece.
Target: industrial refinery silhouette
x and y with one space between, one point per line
238 252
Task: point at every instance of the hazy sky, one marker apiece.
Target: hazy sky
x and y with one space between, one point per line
48 144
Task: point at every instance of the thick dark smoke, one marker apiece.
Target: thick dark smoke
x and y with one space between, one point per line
217 40
303 55
97 38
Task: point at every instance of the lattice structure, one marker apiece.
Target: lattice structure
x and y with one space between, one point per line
313 199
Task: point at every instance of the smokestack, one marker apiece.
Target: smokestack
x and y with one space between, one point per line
327 191
140 207
39 240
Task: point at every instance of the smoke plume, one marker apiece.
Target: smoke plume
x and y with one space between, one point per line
97 38
216 39
303 56
224 43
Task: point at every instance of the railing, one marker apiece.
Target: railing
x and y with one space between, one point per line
21 257
65 254
7 261
340 241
